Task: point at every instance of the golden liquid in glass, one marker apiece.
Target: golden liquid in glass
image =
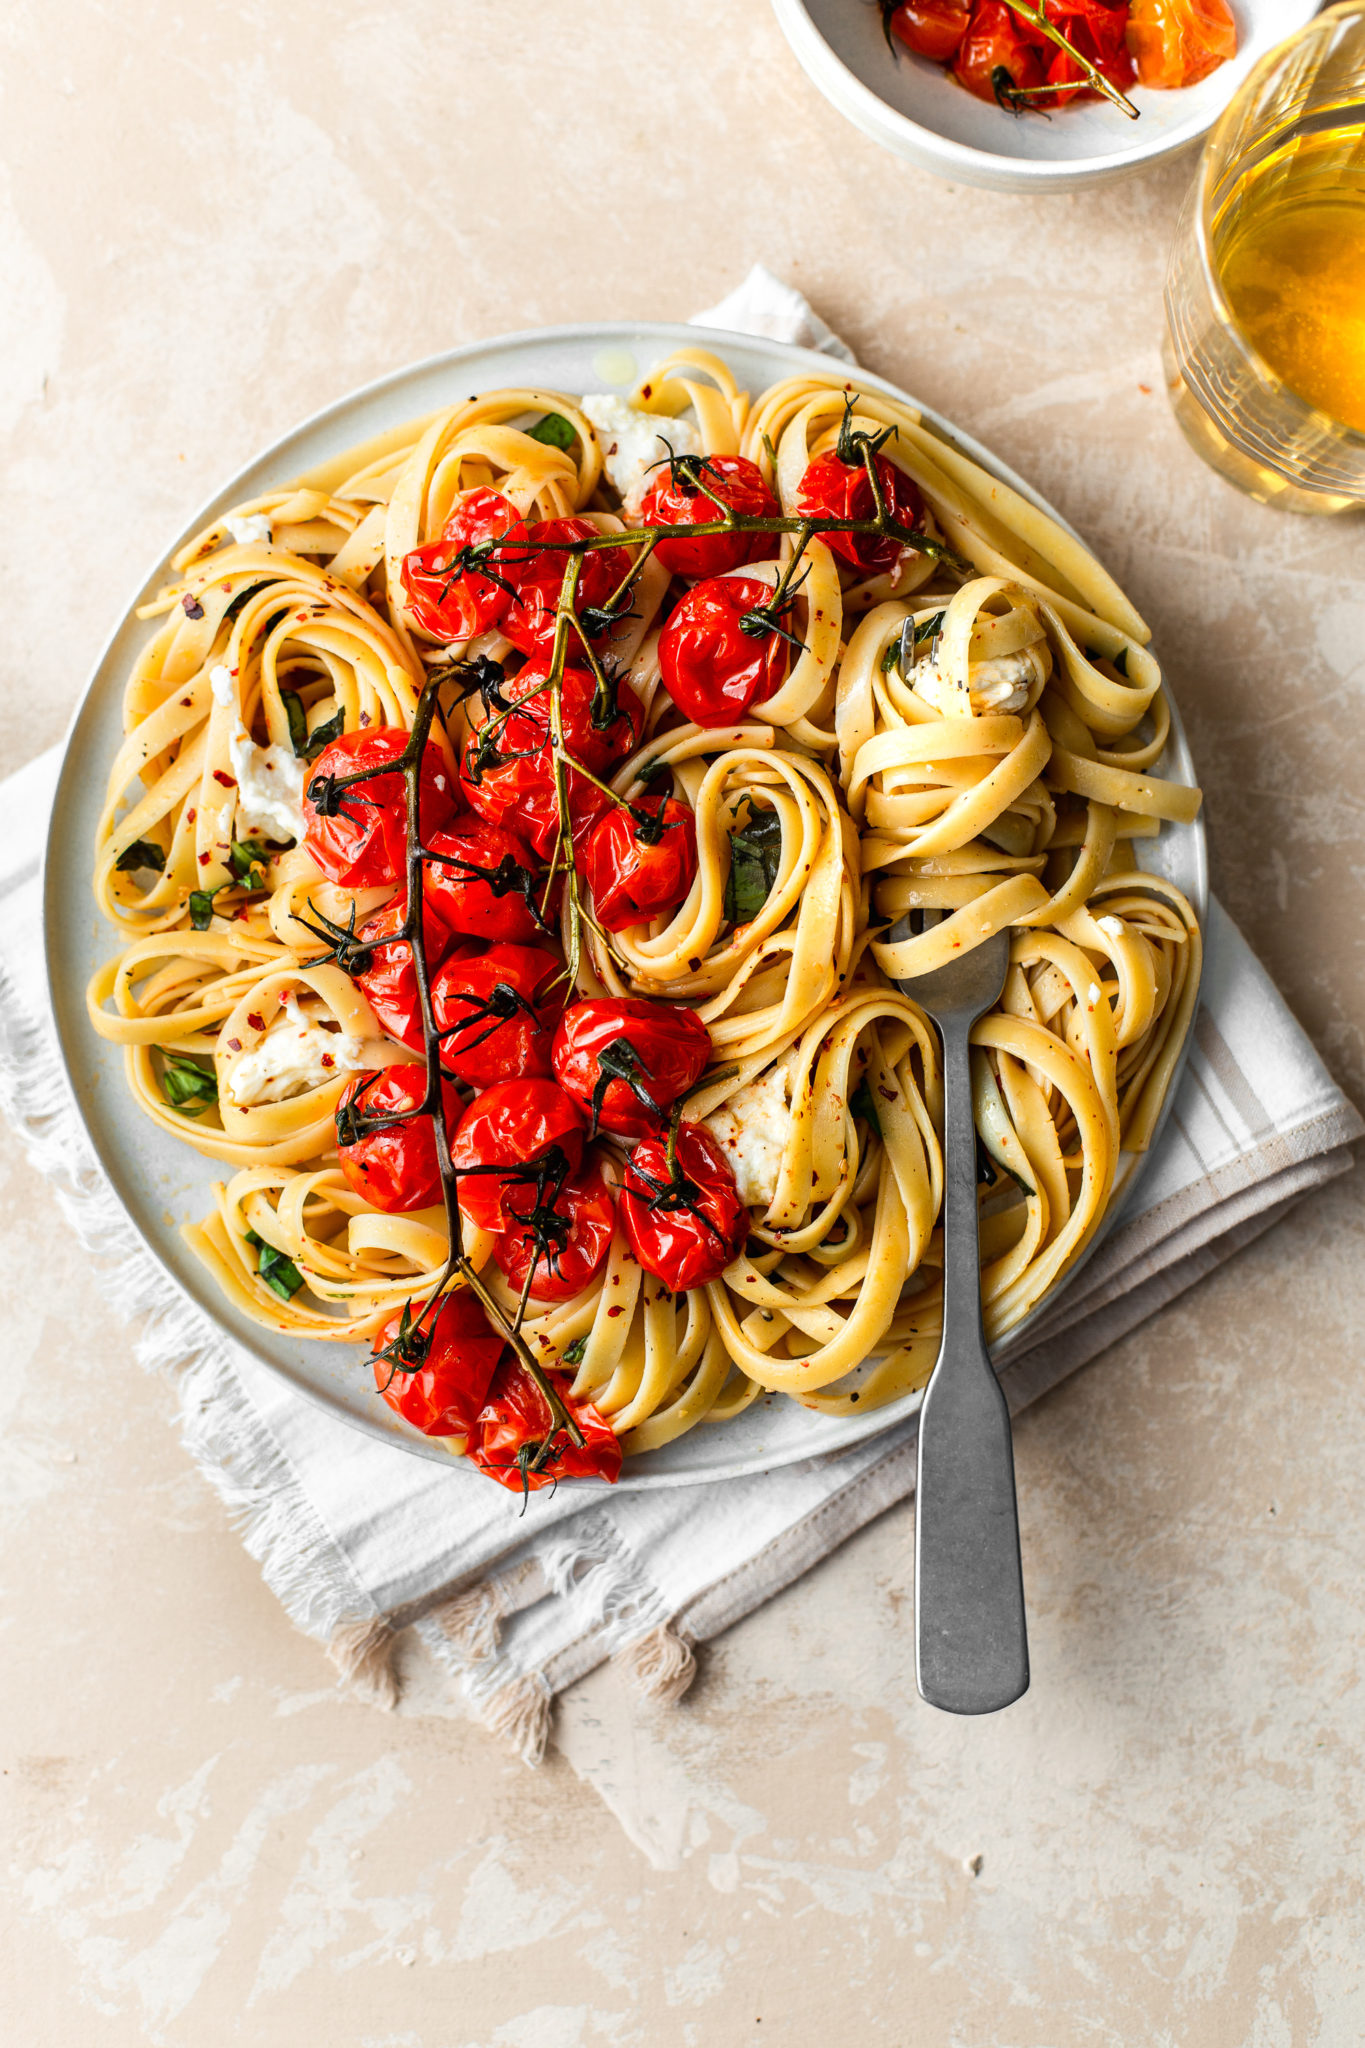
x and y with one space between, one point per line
1290 250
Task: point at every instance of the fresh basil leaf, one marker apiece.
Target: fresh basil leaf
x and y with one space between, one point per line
244 855
553 431
141 854
861 1103
295 712
573 1354
331 729
891 655
755 854
187 1086
927 628
201 907
280 1274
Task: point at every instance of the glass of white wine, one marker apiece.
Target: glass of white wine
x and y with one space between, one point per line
1265 292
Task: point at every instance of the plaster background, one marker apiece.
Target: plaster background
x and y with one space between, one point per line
214 219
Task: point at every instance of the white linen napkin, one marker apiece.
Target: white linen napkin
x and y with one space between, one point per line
360 1540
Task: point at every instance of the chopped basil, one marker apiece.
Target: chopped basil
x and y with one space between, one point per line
141 854
861 1103
187 1086
323 735
554 430
244 855
573 1354
891 655
298 723
280 1274
201 907
755 854
926 628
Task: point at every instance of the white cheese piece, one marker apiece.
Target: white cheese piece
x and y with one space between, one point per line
632 442
1000 683
269 789
222 685
1093 994
752 1130
297 1052
1112 925
245 527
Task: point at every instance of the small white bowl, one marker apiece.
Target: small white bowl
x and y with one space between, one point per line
914 108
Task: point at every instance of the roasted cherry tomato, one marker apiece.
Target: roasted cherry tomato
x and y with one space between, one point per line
994 57
676 498
535 572
437 1376
389 982
834 489
484 881
634 876
1097 32
395 1168
513 1124
686 1227
507 774
1178 42
512 1433
565 1234
596 733
713 665
931 28
365 844
496 1013
450 602
627 1060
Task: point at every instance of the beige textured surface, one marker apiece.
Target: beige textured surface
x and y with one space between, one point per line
213 219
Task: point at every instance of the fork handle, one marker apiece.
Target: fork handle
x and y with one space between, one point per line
971 1643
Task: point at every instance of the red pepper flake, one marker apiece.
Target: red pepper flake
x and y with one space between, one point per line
234 1045
228 781
191 815
327 1060
255 1020
364 718
617 1311
204 860
187 701
191 606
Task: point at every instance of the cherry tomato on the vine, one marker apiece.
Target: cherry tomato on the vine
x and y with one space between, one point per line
508 770
632 874
484 881
389 982
452 603
676 498
1178 42
684 1228
395 1168
535 570
513 1124
992 46
437 1375
365 843
565 1237
834 489
496 1009
514 1425
597 733
617 1055
716 656
931 28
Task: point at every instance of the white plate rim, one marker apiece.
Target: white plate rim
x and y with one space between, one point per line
67 1004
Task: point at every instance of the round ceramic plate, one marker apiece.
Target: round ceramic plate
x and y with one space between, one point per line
162 1183
911 106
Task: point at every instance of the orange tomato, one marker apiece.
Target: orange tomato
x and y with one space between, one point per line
1178 42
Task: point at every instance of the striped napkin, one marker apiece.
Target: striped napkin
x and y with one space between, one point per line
361 1541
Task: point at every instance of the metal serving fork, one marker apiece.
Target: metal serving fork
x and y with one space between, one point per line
971 1643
